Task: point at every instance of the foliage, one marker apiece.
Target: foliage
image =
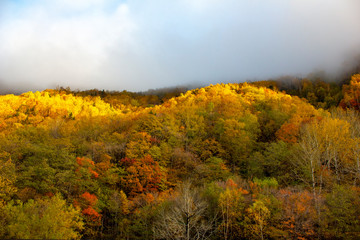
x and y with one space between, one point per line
45 218
227 161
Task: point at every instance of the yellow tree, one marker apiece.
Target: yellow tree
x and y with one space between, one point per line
48 218
335 142
352 146
323 151
231 203
257 219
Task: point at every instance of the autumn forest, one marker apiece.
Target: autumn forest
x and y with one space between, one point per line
264 160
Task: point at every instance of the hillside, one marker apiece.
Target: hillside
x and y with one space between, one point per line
227 161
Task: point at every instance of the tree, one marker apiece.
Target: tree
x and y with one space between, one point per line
119 209
342 215
238 141
298 213
232 209
185 216
213 169
308 166
353 145
49 218
143 175
273 161
7 178
352 93
257 219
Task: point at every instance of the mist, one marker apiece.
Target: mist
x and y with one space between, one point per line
139 45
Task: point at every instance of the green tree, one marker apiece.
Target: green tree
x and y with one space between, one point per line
342 215
49 218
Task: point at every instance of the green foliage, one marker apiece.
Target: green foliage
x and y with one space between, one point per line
263 164
7 178
266 183
273 161
342 213
43 218
318 91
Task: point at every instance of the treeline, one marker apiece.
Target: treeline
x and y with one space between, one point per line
229 161
318 91
118 99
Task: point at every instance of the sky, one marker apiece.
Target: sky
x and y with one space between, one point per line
137 45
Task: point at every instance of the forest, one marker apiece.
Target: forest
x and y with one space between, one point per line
263 160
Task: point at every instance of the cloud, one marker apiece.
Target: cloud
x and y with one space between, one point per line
136 45
62 50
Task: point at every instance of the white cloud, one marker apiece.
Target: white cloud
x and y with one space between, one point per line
62 50
137 45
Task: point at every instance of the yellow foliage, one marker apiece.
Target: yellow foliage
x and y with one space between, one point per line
34 108
44 219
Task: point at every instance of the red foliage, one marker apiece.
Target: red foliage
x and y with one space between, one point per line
91 199
144 175
352 94
342 104
91 214
354 104
87 202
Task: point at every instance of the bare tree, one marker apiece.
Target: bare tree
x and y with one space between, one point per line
309 164
352 117
309 158
185 217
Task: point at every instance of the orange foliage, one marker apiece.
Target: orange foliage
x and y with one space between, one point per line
105 163
86 162
91 199
231 184
352 93
49 194
87 202
298 212
144 175
91 214
95 174
254 189
288 133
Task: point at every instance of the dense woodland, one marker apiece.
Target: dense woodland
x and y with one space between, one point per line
263 160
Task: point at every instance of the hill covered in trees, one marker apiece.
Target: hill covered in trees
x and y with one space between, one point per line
227 161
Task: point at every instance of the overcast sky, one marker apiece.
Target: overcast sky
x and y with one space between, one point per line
141 44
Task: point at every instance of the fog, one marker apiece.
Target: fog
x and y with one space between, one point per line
139 45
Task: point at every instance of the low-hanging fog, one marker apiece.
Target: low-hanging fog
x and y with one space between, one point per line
141 44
